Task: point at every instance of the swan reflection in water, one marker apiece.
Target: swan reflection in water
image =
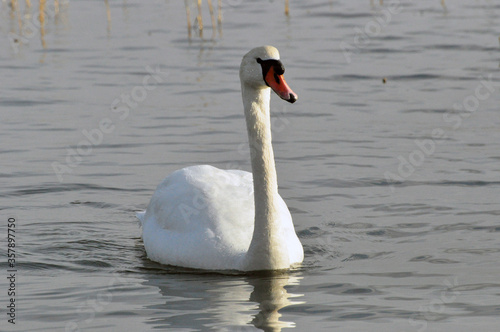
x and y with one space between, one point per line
272 296
210 302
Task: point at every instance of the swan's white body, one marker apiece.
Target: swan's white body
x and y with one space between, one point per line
206 218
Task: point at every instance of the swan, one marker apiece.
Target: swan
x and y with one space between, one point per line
203 217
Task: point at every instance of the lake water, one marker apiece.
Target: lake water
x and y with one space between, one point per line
389 162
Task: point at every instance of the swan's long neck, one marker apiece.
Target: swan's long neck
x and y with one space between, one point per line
266 250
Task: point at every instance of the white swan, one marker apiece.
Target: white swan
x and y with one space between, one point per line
205 218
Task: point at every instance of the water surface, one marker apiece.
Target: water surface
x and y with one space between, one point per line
393 186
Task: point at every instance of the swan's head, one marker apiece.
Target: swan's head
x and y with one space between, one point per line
262 68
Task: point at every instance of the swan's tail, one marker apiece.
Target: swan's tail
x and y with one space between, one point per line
140 216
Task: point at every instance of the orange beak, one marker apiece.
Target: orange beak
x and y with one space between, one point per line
278 84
